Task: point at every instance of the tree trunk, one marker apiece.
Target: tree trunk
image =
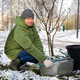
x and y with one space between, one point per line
2 13
11 14
15 7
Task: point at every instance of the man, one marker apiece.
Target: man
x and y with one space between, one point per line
23 43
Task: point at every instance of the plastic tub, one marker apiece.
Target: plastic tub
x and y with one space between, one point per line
74 52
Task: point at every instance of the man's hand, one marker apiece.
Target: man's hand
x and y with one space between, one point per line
48 63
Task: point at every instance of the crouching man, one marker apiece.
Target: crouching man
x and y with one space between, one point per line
23 43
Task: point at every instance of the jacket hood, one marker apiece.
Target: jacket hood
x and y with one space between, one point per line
19 21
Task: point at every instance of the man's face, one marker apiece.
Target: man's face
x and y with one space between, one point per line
29 21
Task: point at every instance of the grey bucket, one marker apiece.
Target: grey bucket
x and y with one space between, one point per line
61 67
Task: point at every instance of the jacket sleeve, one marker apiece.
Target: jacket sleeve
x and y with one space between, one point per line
22 39
37 41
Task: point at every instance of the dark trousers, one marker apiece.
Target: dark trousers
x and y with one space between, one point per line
26 57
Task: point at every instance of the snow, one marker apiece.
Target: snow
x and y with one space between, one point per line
61 38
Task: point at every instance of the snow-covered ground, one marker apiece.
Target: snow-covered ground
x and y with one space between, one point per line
61 38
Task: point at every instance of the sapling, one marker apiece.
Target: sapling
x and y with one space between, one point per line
49 17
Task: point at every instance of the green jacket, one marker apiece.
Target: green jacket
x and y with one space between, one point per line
24 37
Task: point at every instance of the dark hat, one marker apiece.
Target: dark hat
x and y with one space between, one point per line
27 13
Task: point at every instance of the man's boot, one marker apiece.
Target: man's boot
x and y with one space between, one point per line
15 65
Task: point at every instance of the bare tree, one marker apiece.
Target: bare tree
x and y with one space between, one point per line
2 13
46 13
74 12
15 7
11 14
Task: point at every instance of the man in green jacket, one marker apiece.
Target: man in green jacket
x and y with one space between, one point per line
23 43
